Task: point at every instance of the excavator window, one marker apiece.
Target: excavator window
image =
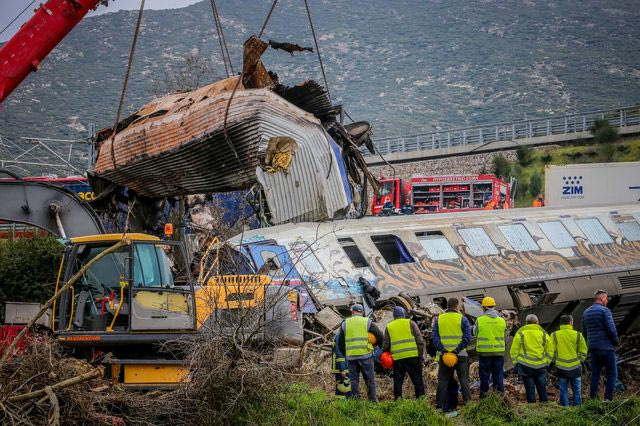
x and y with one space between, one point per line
97 292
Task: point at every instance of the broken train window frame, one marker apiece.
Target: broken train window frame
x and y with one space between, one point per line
594 230
560 238
387 243
353 252
478 241
629 228
436 245
518 237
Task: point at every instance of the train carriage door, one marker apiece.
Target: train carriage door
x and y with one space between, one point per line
274 260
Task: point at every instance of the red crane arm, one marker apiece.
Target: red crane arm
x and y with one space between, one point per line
23 53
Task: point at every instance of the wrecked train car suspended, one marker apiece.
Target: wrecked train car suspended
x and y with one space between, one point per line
177 145
234 134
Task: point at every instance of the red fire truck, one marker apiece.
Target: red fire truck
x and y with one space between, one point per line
433 194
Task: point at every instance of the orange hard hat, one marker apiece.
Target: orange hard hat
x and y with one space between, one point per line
386 360
372 338
449 359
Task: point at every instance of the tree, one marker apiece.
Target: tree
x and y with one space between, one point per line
501 166
525 155
603 132
535 184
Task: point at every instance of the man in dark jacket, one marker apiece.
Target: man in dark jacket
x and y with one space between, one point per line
602 338
354 343
451 332
403 339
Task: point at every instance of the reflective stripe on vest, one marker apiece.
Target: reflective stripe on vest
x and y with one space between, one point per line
356 339
566 355
450 329
535 359
491 335
403 343
335 360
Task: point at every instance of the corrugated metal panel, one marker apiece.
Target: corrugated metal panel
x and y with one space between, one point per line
312 189
185 152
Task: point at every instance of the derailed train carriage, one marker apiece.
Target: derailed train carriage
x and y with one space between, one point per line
543 261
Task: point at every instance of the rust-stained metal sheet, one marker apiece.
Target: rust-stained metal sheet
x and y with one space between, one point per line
176 145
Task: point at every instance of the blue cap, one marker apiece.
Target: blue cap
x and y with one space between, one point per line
399 312
357 308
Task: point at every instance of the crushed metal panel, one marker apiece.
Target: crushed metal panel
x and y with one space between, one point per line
185 151
312 188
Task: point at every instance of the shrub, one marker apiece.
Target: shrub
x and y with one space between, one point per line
501 166
535 184
28 268
603 132
607 152
525 155
546 159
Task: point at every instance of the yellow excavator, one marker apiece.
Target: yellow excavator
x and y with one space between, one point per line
132 300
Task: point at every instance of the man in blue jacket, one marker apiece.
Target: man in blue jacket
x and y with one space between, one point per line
602 338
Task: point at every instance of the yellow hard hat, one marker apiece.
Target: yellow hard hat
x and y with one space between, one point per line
345 386
372 338
488 302
449 359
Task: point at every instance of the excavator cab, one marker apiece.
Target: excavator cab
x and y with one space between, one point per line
140 293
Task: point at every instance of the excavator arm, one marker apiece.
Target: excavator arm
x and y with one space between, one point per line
48 207
24 52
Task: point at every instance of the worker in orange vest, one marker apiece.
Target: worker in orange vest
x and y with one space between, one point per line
489 203
539 201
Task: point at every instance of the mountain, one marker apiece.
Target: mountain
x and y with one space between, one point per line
408 66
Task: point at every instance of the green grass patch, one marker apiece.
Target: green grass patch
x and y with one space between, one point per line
493 411
300 405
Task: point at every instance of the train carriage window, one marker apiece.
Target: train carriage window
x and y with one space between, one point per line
436 245
630 230
353 252
478 241
594 231
557 234
518 237
392 249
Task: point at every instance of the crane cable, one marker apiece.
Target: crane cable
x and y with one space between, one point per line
226 58
235 88
315 42
124 83
19 14
266 21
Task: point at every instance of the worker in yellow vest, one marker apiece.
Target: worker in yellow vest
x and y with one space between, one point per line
490 333
570 350
403 339
532 350
451 333
353 341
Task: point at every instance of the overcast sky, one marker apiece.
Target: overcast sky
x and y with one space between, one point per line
9 9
